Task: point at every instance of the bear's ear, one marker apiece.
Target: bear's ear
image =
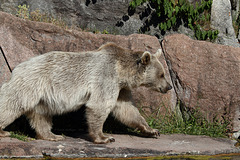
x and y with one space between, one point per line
146 58
158 53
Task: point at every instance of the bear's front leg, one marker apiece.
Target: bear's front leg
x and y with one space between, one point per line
43 125
129 115
95 121
4 133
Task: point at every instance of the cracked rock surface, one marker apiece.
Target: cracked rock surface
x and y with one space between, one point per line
125 146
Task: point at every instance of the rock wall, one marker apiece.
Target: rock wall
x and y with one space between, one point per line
116 18
86 14
205 76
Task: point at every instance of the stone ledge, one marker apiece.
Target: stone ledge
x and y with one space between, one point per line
125 146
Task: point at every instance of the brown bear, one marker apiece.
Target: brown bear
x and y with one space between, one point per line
58 82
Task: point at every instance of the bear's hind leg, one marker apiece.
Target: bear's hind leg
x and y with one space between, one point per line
43 125
129 115
95 125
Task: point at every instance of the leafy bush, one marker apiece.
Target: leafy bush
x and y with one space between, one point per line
170 14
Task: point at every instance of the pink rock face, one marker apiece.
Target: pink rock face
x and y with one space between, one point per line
205 76
23 39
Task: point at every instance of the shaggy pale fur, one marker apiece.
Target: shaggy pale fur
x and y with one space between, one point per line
58 82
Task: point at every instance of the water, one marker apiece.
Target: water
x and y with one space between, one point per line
185 157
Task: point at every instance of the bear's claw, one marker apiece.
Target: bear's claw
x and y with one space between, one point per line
153 133
111 139
105 140
156 132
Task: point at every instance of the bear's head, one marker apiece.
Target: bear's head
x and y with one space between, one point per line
154 74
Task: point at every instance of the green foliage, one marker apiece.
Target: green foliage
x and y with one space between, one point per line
195 124
169 14
24 13
105 31
20 136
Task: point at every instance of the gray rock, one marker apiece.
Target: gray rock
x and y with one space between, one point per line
9 6
114 16
131 26
235 8
187 31
90 15
225 40
239 35
221 20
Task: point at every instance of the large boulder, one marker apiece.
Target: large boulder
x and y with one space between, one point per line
221 20
22 39
205 76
